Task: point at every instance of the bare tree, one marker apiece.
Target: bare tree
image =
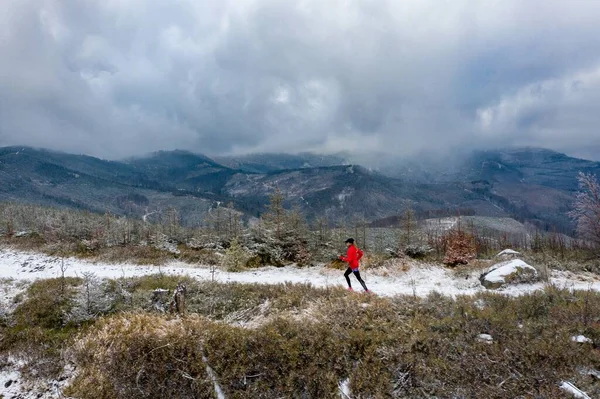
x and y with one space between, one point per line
409 227
586 210
276 214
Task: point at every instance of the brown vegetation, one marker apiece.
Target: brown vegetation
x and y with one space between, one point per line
400 348
308 340
460 248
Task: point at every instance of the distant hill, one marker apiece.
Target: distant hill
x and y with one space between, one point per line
267 163
532 185
78 181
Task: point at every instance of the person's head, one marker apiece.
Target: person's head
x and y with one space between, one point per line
349 242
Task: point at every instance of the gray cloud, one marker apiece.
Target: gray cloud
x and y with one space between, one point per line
119 78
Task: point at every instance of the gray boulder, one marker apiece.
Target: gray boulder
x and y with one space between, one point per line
510 272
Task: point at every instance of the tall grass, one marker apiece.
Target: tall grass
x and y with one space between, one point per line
399 347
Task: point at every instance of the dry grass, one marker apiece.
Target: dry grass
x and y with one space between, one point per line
141 356
401 347
309 339
39 328
575 262
376 260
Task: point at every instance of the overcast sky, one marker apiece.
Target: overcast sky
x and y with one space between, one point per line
114 78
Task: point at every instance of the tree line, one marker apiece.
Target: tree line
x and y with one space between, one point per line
281 236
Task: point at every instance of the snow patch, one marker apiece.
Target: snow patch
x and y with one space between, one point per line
344 388
341 197
480 304
498 272
573 390
442 224
590 372
166 245
10 385
13 385
422 279
213 377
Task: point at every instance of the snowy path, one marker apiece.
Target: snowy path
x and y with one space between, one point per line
420 280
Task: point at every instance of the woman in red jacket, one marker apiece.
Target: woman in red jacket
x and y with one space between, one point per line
352 258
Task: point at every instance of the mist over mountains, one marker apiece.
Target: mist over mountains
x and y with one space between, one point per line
531 185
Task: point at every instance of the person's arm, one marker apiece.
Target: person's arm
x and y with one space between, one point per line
350 256
344 258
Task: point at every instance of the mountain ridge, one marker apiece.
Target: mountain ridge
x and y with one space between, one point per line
532 185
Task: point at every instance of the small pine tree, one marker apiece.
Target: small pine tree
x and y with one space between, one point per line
235 257
409 227
276 215
285 232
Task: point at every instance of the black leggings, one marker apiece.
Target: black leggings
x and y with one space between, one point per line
357 274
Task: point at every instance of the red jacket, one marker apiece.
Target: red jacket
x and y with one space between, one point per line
353 256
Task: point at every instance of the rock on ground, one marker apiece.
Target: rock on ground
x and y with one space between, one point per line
582 339
508 253
510 272
485 338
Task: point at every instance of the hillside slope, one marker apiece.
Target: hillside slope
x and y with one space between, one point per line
82 182
531 185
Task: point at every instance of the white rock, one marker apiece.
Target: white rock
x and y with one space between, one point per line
485 338
581 339
508 253
512 271
590 372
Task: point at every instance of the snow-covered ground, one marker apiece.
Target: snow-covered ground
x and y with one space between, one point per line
418 280
14 386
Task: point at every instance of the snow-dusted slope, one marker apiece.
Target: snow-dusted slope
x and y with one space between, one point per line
418 280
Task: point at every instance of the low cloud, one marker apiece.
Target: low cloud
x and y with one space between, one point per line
120 78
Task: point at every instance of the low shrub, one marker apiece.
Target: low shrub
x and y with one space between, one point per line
375 260
138 254
141 356
403 347
153 281
460 248
235 257
417 251
40 326
198 256
337 264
